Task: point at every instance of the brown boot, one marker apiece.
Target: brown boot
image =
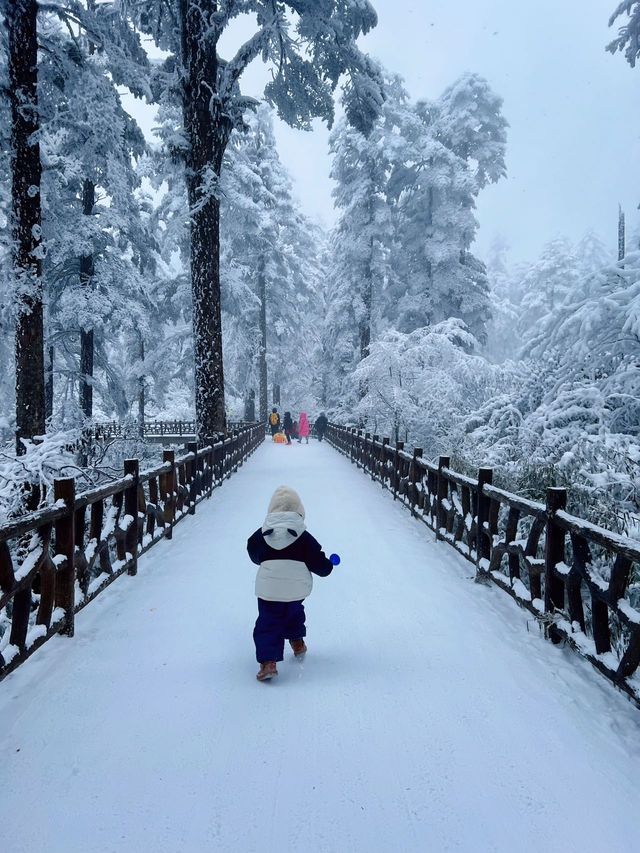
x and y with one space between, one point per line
299 647
268 671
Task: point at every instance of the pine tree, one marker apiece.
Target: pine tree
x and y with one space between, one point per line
307 69
628 38
455 146
272 248
21 20
90 210
362 237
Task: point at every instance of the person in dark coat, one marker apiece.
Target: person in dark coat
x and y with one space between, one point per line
321 426
287 554
274 421
288 426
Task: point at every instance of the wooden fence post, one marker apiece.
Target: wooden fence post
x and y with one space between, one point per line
413 480
208 465
132 468
65 547
396 468
167 492
192 476
241 447
383 461
483 543
442 494
374 460
554 554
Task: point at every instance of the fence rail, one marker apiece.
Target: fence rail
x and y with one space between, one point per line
154 429
53 562
575 577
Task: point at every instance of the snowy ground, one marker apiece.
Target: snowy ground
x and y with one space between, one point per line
425 717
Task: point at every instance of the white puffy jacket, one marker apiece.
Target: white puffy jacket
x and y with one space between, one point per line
283 579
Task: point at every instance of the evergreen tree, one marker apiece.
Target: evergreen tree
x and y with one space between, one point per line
307 69
269 268
455 146
90 211
628 38
26 171
362 240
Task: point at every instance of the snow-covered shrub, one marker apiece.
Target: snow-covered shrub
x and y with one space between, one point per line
419 386
41 463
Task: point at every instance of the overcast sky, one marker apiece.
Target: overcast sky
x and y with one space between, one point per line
574 139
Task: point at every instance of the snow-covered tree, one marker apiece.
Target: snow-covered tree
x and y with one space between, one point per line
422 384
546 284
361 243
310 46
505 311
90 210
628 38
26 215
269 264
455 146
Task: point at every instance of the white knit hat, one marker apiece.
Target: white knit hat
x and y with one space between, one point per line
286 499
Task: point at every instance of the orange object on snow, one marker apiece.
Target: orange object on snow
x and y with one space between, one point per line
280 438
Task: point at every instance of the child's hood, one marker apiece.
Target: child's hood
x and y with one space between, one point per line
281 529
286 499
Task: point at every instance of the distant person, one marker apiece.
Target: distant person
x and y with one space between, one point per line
288 426
321 425
274 422
295 431
287 554
303 428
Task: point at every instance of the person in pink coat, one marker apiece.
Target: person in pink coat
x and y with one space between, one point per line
304 429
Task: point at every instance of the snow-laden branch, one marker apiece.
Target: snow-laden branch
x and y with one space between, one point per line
253 47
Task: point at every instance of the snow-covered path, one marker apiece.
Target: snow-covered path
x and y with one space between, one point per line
425 717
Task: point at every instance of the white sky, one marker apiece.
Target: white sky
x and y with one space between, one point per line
574 140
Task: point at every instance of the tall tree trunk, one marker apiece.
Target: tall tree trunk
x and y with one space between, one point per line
262 353
48 388
367 300
21 19
141 391
622 235
208 132
86 335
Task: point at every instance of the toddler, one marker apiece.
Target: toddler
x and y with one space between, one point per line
286 554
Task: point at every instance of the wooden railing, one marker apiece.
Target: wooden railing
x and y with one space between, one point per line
155 429
575 577
55 561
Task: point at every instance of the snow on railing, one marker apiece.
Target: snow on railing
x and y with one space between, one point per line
575 577
173 429
53 562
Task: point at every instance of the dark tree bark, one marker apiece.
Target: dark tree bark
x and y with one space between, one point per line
262 353
367 319
86 335
250 407
367 299
48 388
141 391
622 235
21 20
208 131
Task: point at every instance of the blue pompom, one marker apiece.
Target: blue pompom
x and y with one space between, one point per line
333 558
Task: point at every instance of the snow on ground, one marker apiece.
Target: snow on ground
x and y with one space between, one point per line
425 717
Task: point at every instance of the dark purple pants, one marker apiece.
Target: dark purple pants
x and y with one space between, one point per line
277 621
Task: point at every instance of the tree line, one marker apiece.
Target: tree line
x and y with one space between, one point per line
69 158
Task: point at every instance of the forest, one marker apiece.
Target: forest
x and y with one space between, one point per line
179 278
